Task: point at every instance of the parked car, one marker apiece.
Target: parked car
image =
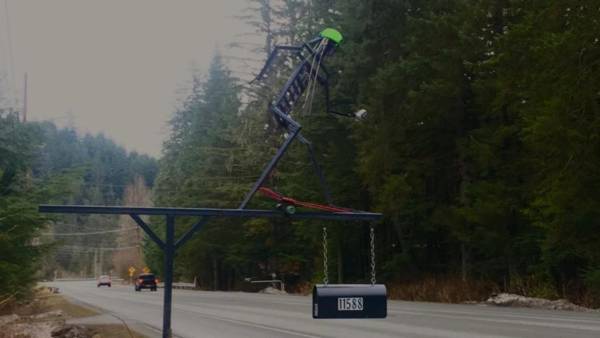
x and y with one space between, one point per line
146 281
104 280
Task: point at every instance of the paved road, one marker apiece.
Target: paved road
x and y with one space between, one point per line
235 314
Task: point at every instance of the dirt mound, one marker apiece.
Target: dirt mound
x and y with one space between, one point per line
71 331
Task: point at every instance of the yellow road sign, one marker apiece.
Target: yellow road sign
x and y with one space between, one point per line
146 269
131 271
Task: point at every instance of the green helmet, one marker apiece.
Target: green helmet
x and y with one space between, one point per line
332 34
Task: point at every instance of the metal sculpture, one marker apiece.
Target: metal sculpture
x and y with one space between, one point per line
303 79
329 300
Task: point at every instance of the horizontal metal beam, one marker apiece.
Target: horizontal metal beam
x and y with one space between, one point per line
247 213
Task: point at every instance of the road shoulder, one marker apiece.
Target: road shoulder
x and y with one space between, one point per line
49 313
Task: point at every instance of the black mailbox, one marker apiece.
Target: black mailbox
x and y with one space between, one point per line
349 301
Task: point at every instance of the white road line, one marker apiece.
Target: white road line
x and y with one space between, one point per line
508 321
261 326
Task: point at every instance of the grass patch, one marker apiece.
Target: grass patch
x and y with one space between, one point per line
443 290
48 304
112 331
45 301
57 302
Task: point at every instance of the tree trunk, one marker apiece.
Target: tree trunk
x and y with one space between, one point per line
215 274
464 266
340 263
401 238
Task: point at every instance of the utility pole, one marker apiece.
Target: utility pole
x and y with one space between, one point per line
101 265
96 262
25 99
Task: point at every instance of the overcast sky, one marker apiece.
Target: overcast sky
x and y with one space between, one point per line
113 66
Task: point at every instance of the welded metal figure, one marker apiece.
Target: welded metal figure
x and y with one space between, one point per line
303 79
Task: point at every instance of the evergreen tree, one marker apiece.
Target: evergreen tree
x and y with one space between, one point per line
200 164
19 219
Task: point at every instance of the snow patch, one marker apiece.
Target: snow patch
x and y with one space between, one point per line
508 299
272 291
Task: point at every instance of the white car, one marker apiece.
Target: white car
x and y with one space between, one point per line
104 280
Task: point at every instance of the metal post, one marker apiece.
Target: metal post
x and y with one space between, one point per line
317 168
267 171
101 263
169 252
96 275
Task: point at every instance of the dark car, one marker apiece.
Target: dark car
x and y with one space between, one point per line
146 281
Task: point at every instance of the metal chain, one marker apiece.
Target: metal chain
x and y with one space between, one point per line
325 262
372 235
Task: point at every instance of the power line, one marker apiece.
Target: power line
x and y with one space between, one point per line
75 248
255 44
241 58
86 233
11 59
204 178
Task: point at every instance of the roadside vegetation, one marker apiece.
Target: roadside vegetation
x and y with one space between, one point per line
480 147
40 163
47 314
